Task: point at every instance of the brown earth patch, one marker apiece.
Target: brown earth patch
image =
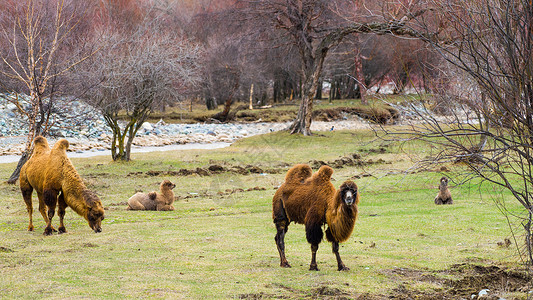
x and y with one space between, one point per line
325 291
6 250
260 295
286 292
118 203
219 193
211 170
351 160
461 281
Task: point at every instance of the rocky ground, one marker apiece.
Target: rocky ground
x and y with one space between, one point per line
86 130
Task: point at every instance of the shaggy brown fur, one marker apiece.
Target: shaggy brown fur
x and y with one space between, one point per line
444 196
294 178
51 173
154 200
341 217
312 200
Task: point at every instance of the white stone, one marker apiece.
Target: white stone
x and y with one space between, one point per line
147 126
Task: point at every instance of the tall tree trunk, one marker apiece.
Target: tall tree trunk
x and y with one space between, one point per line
117 141
117 151
127 150
16 173
276 91
132 131
251 106
360 76
302 124
210 103
311 76
332 90
113 146
223 116
319 90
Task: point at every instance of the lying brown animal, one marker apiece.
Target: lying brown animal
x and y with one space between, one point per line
51 173
154 200
444 196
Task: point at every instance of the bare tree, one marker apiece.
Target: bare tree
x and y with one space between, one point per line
314 27
134 73
230 66
36 56
488 43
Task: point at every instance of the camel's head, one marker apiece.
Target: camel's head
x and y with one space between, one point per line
349 193
167 185
444 181
95 212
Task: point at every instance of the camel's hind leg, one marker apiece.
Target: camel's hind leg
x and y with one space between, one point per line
50 199
42 210
135 205
26 194
282 225
314 235
62 205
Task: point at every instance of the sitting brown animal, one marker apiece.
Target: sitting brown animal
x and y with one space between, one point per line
51 173
312 200
444 196
154 200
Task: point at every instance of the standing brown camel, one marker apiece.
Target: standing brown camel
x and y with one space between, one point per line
312 200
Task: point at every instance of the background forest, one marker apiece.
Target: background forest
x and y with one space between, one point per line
470 65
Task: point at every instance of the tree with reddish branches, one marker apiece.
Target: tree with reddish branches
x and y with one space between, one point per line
142 64
314 27
41 44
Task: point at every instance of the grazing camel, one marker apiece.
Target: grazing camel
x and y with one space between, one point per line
51 174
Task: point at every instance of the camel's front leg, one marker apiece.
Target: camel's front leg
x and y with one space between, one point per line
50 200
313 266
26 194
340 264
164 207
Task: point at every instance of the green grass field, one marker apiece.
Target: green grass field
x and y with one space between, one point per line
219 242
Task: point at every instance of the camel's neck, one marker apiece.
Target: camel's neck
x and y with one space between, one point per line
341 220
167 193
74 197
